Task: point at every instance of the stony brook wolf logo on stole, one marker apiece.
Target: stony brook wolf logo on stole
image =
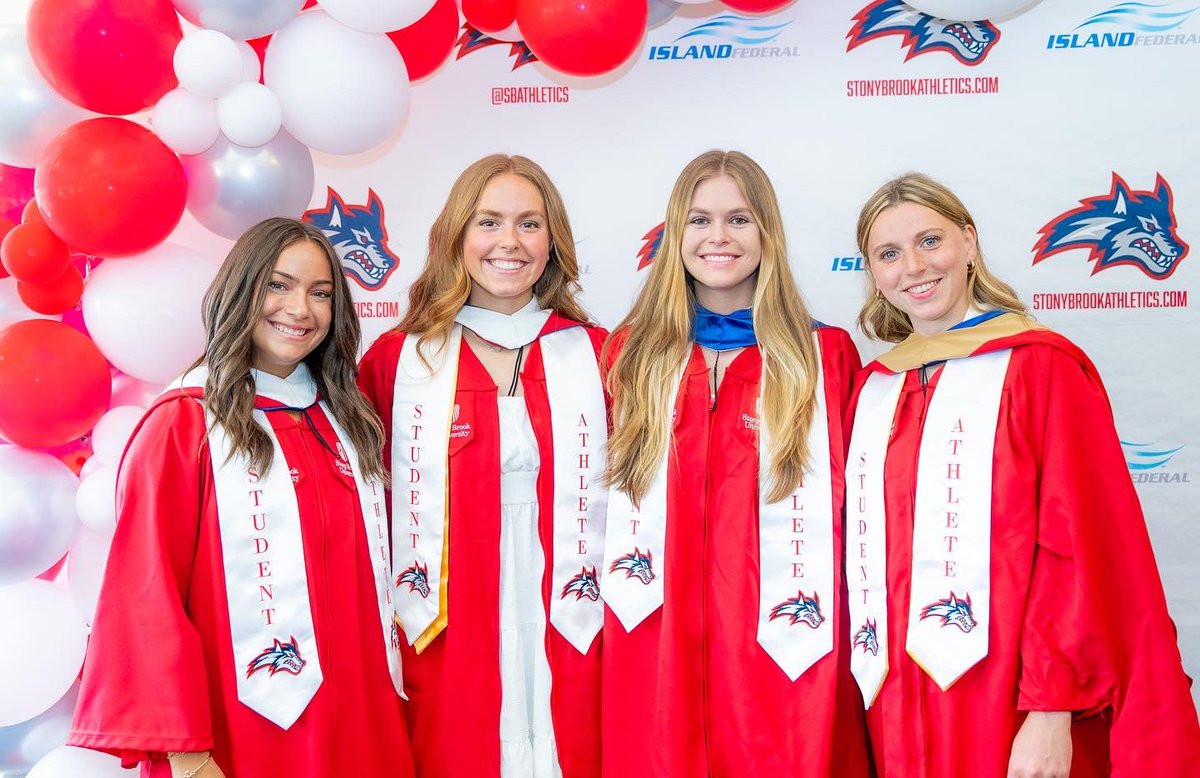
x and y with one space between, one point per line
279 658
584 584
416 576
653 242
968 42
800 609
1124 227
867 638
473 40
636 565
952 610
359 234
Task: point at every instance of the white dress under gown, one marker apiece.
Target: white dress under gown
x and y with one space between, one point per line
527 747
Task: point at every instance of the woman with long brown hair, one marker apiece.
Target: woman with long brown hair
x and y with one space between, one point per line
496 419
1007 613
724 635
245 627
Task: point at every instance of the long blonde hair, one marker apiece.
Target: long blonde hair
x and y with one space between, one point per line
231 310
444 286
659 341
880 319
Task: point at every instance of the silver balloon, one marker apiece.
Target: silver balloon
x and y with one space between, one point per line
37 513
239 19
660 11
31 113
231 188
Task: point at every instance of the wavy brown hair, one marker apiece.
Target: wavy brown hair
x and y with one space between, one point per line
659 340
231 309
443 286
880 319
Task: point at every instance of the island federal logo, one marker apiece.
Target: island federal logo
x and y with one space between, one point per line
1148 463
727 36
1130 24
359 235
1127 226
652 243
968 42
472 40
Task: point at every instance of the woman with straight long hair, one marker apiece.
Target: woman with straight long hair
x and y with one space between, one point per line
496 421
1007 613
725 628
245 626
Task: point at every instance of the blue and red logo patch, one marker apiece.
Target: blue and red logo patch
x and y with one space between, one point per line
867 638
416 576
584 584
952 610
359 234
968 42
282 657
800 609
636 565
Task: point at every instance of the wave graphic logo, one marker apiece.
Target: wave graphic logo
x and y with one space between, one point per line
1147 456
731 29
1147 17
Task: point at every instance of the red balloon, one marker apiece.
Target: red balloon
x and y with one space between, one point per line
490 15
59 296
16 188
5 226
757 6
582 37
54 383
110 187
30 213
110 56
426 43
33 254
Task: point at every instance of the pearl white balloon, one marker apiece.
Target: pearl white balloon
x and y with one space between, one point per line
127 390
143 311
970 10
251 66
186 122
250 114
85 569
208 63
377 15
12 309
41 650
31 112
72 762
22 745
239 19
37 514
323 107
112 432
95 501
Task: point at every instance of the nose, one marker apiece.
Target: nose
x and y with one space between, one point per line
297 304
508 237
914 263
719 233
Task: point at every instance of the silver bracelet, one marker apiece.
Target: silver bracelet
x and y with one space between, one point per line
192 773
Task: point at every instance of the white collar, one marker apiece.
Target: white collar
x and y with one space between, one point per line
519 329
298 390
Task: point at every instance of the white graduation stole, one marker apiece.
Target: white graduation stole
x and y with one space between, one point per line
420 463
795 553
949 607
266 583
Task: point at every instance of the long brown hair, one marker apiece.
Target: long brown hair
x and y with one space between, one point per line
659 340
880 319
231 310
443 286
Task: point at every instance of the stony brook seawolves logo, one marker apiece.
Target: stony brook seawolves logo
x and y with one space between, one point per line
359 235
968 42
724 37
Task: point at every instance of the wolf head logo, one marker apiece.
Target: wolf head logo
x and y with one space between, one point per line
952 611
968 42
359 235
636 565
416 576
278 658
473 40
584 584
1123 227
800 609
653 242
867 638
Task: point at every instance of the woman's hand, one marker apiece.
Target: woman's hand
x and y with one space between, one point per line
194 764
1042 747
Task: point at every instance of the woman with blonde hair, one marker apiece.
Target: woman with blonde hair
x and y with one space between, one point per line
245 626
490 391
725 630
1007 613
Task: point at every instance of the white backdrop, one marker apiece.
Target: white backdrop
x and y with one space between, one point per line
1060 114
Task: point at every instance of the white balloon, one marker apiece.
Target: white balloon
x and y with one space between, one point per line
37 514
377 15
186 122
90 466
127 390
42 649
208 63
143 312
250 114
12 309
31 113
112 432
251 67
72 762
323 108
969 10
95 501
240 19
22 745
85 569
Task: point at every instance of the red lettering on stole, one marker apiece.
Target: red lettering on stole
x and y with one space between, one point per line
953 473
581 496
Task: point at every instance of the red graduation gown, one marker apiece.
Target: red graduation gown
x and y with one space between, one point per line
453 686
1078 617
160 673
689 693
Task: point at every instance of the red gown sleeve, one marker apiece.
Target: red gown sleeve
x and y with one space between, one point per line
145 685
377 380
1096 629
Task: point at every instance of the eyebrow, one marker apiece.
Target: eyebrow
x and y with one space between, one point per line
291 277
522 215
708 213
